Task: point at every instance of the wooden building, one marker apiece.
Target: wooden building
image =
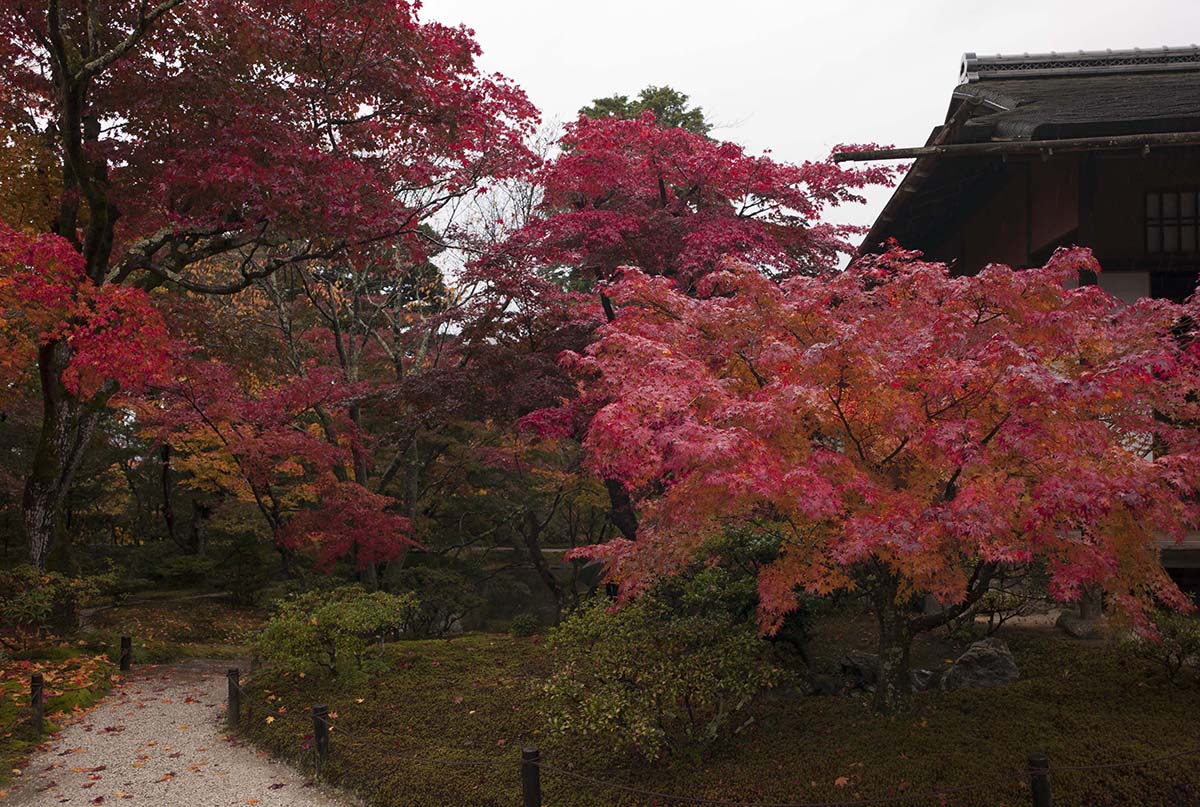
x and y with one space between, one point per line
1099 149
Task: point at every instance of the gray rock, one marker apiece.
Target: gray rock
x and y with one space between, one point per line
987 663
923 679
1075 625
860 669
822 685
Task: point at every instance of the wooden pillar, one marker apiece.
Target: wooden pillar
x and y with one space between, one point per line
126 653
234 710
37 702
531 777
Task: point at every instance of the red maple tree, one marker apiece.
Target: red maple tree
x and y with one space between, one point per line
201 145
675 204
900 432
626 192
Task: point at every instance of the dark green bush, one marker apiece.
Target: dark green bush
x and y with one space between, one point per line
183 571
445 597
524 625
651 680
328 629
1174 646
244 571
36 603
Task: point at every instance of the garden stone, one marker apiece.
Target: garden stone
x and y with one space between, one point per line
861 669
1079 627
923 679
822 685
987 663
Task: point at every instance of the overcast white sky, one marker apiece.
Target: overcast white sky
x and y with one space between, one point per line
794 77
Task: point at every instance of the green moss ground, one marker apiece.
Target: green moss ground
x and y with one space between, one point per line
474 699
168 629
74 681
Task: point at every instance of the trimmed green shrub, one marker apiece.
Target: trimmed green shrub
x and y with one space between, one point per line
524 625
444 595
181 571
649 680
328 629
244 571
1176 646
36 603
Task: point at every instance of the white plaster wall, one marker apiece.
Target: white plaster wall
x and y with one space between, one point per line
1128 286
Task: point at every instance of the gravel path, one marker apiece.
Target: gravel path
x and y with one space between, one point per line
159 739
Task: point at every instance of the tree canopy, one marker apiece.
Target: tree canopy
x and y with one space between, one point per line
901 431
670 108
200 146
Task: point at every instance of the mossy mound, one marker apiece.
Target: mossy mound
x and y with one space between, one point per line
444 722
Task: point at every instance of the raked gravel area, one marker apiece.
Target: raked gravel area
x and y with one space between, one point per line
159 739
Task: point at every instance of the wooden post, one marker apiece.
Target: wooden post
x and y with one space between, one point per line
531 777
126 653
234 710
37 701
1039 780
320 715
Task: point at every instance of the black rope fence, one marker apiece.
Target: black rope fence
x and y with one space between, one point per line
1035 776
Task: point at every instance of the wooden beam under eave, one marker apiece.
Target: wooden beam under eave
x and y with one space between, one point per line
1011 147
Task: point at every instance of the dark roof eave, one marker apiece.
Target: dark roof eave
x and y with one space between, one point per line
918 172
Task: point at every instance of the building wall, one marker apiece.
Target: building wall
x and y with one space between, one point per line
1096 200
996 231
1120 184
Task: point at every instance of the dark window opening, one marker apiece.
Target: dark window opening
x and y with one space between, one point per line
1173 286
1172 222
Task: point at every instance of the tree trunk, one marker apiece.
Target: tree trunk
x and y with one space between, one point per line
1091 603
622 514
67 426
167 485
196 538
895 641
531 533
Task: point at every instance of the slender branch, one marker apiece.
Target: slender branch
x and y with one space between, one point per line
145 21
981 578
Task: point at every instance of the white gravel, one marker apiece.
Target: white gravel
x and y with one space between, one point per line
159 739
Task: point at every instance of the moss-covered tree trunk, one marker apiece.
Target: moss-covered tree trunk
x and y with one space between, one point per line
894 686
898 626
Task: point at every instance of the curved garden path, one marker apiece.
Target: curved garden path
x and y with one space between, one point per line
159 739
